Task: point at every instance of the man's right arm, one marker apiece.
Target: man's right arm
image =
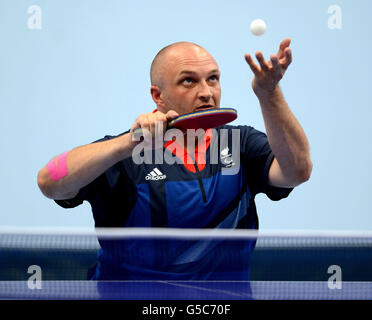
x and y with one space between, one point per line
82 165
64 176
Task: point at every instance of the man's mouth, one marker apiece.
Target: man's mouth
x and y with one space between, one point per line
205 107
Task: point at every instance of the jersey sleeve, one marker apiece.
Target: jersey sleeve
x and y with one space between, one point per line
256 157
85 193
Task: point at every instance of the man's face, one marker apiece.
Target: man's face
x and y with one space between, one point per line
191 81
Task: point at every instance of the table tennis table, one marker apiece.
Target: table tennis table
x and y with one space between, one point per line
186 290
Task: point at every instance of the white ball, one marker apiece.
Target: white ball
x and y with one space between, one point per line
258 27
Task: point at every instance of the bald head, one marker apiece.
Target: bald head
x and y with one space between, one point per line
161 60
184 76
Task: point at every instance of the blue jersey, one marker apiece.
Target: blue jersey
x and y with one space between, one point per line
213 188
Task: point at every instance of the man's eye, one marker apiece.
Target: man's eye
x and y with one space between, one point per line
187 81
213 78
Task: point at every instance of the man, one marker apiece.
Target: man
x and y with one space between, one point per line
190 194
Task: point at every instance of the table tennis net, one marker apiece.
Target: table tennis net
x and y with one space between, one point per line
271 256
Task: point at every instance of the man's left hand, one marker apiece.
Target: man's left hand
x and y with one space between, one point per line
271 72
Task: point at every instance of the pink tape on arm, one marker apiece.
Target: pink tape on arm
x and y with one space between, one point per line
57 167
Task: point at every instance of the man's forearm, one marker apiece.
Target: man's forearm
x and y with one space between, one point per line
286 137
83 165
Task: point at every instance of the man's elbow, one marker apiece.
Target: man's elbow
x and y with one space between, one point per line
52 190
304 172
43 183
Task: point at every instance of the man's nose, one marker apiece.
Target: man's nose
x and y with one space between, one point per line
205 92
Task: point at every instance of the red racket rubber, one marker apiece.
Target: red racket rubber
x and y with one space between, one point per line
202 119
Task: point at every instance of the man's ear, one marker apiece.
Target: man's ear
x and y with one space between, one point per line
156 95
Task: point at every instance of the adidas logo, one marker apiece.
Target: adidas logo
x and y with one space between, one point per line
155 175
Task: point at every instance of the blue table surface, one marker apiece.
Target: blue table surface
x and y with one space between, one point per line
185 290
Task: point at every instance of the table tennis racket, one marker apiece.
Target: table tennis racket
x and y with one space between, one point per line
202 119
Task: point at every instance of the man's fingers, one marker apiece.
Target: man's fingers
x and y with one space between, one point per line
283 45
271 71
160 127
264 65
288 54
142 122
251 64
286 60
141 128
171 114
159 123
147 123
276 66
152 121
